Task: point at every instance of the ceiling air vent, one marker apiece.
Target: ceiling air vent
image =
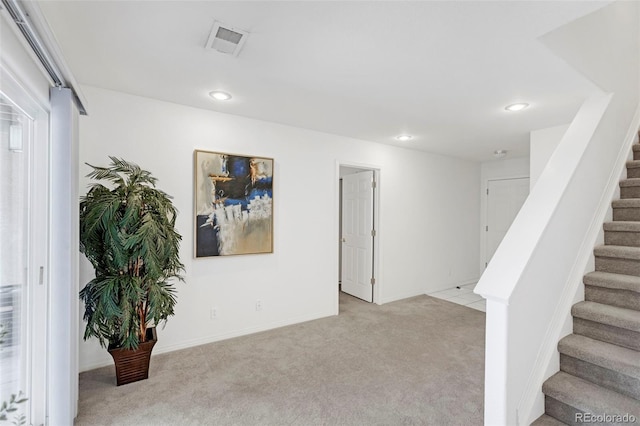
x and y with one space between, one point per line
226 39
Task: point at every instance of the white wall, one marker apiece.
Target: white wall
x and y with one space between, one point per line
429 216
504 169
542 143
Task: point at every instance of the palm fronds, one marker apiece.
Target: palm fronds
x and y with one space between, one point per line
128 234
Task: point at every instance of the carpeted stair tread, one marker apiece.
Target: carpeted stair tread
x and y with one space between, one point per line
588 397
627 203
545 420
625 183
613 281
622 226
633 164
620 252
627 319
611 357
636 146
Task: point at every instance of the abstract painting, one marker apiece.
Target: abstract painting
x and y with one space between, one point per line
233 204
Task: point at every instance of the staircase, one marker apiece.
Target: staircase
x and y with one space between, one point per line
600 362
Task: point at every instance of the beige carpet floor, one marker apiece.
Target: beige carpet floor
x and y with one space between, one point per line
418 361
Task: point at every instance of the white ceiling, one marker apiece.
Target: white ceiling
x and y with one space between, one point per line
441 71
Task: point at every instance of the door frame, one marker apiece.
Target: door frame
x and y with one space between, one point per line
484 204
377 242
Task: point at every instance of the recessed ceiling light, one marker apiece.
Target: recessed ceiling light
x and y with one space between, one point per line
499 153
516 107
219 95
404 138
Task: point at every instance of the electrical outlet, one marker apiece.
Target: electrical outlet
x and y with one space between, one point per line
214 313
258 305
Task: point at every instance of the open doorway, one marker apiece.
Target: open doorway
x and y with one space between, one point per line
358 242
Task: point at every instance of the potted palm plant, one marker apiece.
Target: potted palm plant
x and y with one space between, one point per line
127 232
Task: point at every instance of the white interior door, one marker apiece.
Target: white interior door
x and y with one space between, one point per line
357 235
505 197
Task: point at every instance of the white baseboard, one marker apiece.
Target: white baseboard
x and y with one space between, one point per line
216 338
401 296
456 284
160 349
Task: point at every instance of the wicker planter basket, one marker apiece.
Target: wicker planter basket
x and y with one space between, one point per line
133 364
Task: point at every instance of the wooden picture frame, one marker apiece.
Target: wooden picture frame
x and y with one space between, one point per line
233 204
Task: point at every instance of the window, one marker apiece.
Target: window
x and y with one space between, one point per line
24 216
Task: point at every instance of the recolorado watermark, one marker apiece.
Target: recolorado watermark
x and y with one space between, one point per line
604 418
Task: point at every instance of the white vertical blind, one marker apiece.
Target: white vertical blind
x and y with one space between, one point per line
64 304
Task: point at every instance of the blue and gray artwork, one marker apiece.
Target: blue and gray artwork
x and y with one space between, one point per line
234 204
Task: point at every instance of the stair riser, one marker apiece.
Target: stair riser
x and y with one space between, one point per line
604 377
546 420
609 296
633 172
561 411
618 238
618 266
632 214
607 333
575 417
636 155
630 192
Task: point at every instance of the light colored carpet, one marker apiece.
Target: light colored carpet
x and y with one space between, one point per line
418 361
